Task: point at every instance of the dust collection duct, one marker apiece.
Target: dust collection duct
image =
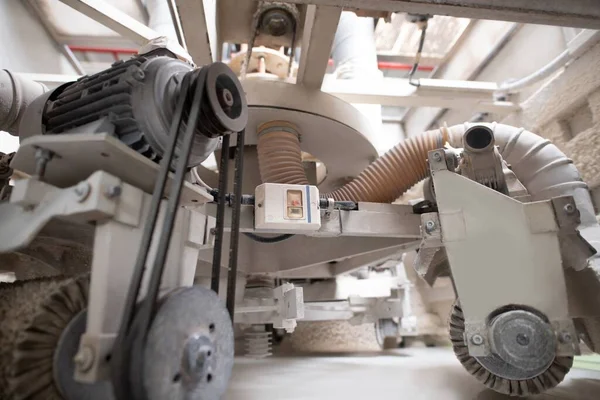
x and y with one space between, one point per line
542 168
16 94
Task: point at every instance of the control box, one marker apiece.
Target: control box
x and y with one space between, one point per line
281 207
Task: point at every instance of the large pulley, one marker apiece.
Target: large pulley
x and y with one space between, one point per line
523 360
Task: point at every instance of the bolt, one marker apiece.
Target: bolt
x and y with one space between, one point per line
82 190
113 191
84 359
197 357
477 340
569 208
139 75
213 231
430 226
276 22
437 157
565 337
522 339
226 98
42 157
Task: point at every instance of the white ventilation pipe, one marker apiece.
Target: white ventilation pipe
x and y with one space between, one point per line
542 168
159 18
576 48
355 58
16 93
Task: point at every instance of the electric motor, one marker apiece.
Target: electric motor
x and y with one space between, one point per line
134 100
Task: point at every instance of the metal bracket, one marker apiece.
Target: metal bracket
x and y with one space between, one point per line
282 309
575 250
33 204
431 257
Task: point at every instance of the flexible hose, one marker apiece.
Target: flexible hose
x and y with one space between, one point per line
279 154
280 161
394 173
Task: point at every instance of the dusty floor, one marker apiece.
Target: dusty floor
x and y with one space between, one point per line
412 374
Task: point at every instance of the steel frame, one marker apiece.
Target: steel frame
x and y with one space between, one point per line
476 96
574 13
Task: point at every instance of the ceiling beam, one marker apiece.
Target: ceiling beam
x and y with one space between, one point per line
575 13
475 96
114 19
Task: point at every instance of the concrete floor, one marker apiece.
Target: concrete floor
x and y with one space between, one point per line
412 374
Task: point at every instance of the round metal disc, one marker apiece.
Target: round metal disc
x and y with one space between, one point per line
64 367
523 346
189 349
548 379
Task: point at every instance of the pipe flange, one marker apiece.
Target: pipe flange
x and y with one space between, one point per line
278 126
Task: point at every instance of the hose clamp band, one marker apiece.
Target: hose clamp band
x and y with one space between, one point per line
279 129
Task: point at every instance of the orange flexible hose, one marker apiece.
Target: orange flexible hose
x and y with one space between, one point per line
394 173
383 181
279 154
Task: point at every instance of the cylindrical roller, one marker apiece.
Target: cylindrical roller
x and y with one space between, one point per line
34 358
547 379
279 154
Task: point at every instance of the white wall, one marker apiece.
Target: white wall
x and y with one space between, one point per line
25 47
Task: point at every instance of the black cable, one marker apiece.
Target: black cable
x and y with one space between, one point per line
418 56
274 239
235 223
221 197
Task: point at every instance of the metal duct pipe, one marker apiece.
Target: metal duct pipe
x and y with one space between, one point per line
540 166
159 18
353 52
16 93
355 58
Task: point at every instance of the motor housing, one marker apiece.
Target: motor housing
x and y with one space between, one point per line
134 100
